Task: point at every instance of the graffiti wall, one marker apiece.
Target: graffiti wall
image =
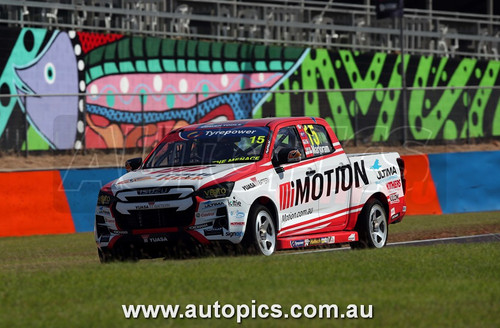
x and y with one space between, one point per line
68 90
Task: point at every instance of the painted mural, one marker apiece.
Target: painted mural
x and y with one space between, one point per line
69 90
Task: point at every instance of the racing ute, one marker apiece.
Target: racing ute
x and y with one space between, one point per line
267 184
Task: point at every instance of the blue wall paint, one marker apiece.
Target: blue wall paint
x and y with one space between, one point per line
467 182
81 187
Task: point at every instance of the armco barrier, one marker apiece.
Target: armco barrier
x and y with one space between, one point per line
63 201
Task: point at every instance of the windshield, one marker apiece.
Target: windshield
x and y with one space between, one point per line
210 146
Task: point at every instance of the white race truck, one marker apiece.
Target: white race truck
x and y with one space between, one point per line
267 184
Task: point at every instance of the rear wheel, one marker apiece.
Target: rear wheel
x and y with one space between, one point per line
372 226
261 232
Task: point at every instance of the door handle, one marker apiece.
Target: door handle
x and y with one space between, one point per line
310 172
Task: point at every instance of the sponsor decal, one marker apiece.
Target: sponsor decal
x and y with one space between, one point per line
118 232
213 232
312 242
393 184
222 125
200 226
183 176
104 239
259 182
404 208
204 215
101 210
375 165
234 203
178 169
190 134
320 150
103 199
352 237
159 239
231 132
290 216
134 180
393 211
249 186
242 159
211 204
304 190
386 172
328 240
394 198
238 214
297 243
395 216
151 191
234 234
294 154
238 223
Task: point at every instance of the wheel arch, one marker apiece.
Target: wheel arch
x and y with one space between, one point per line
268 202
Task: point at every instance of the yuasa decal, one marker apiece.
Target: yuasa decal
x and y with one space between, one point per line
304 190
249 186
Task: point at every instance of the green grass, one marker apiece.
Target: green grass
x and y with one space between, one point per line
57 281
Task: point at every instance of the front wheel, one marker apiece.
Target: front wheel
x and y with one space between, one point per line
262 231
372 226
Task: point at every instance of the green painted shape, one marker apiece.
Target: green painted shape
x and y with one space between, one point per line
246 66
137 47
275 65
167 48
35 141
95 57
231 51
204 66
282 101
140 66
96 72
123 49
231 66
126 67
260 51
192 66
450 130
18 57
203 49
260 66
323 66
181 65
110 51
275 52
152 47
478 105
442 63
390 101
169 65
217 66
369 81
154 66
181 48
495 127
417 98
191 48
110 68
217 50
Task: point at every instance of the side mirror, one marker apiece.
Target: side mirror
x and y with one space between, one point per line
133 164
287 155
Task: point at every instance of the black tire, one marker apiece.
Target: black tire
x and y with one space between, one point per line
260 234
372 226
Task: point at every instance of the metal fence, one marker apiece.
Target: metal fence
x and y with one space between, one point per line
324 24
359 117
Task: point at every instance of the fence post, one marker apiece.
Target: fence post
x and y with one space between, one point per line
356 126
142 127
197 109
26 150
84 137
467 113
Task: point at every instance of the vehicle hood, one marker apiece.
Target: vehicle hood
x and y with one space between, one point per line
196 176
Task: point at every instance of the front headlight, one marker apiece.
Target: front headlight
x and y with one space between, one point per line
220 190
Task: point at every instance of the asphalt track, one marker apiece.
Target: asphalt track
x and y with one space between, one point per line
490 237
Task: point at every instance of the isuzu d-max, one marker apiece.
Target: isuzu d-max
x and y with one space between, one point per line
267 184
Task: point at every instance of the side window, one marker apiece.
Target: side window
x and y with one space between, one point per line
288 138
316 140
